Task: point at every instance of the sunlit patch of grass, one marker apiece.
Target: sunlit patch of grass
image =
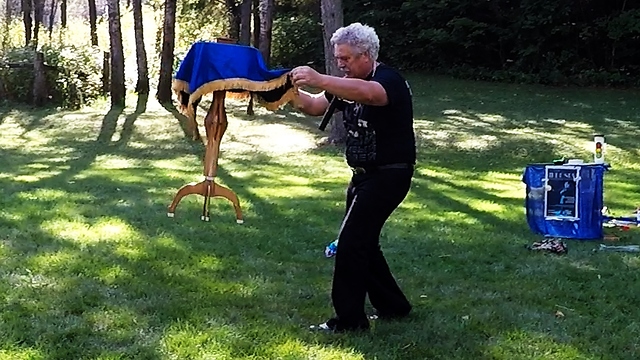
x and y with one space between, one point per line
91 267
632 262
487 206
21 354
225 341
522 345
104 229
270 138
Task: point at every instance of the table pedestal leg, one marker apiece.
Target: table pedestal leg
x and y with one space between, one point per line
215 124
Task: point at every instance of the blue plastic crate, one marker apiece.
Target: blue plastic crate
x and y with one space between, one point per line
565 201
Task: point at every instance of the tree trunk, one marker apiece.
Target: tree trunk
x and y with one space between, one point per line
142 86
166 58
38 12
332 19
256 24
52 16
92 22
234 19
117 54
266 26
39 81
26 19
158 19
63 13
106 73
245 23
7 26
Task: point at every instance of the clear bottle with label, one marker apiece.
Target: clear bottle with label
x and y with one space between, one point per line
598 151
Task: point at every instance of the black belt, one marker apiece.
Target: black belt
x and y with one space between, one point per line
369 169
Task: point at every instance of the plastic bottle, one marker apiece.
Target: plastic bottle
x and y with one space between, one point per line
598 152
331 249
621 248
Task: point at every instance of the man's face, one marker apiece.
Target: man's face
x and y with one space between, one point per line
352 63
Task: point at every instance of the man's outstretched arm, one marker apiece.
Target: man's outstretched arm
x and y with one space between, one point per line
310 104
358 90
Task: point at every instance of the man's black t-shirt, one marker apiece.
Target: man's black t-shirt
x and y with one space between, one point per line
380 135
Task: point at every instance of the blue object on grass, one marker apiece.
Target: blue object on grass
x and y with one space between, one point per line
586 223
331 249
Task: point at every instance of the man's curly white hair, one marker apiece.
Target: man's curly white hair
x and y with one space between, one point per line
362 37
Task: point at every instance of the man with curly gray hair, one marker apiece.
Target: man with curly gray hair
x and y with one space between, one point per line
377 108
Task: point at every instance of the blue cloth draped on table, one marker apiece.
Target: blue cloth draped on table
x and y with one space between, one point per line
210 66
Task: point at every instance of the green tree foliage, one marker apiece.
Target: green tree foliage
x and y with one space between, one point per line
545 41
297 40
297 34
198 20
582 42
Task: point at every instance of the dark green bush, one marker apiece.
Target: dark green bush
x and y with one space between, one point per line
297 40
555 42
73 75
16 75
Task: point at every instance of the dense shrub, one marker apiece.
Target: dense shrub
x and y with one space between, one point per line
553 42
73 74
297 40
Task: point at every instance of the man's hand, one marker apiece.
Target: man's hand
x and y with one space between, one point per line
305 76
358 90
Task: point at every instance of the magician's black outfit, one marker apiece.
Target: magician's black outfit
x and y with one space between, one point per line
381 151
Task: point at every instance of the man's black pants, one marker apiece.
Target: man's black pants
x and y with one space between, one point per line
360 267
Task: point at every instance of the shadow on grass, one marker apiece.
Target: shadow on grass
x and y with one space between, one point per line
237 108
119 279
27 116
160 275
101 145
129 123
182 120
87 311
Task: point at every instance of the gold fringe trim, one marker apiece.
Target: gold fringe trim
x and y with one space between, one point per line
272 106
288 96
232 84
237 84
177 86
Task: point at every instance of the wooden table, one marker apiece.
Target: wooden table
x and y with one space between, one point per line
272 89
215 123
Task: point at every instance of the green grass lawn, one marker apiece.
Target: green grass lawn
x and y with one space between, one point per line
92 268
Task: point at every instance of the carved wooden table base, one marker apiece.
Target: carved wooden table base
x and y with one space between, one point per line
215 124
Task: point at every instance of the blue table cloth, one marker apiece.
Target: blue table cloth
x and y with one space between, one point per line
211 66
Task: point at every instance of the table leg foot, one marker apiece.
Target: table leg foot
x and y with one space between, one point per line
226 193
191 188
207 189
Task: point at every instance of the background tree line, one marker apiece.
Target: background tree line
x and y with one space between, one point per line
559 42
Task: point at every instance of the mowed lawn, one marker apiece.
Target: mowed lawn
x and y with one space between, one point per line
91 267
